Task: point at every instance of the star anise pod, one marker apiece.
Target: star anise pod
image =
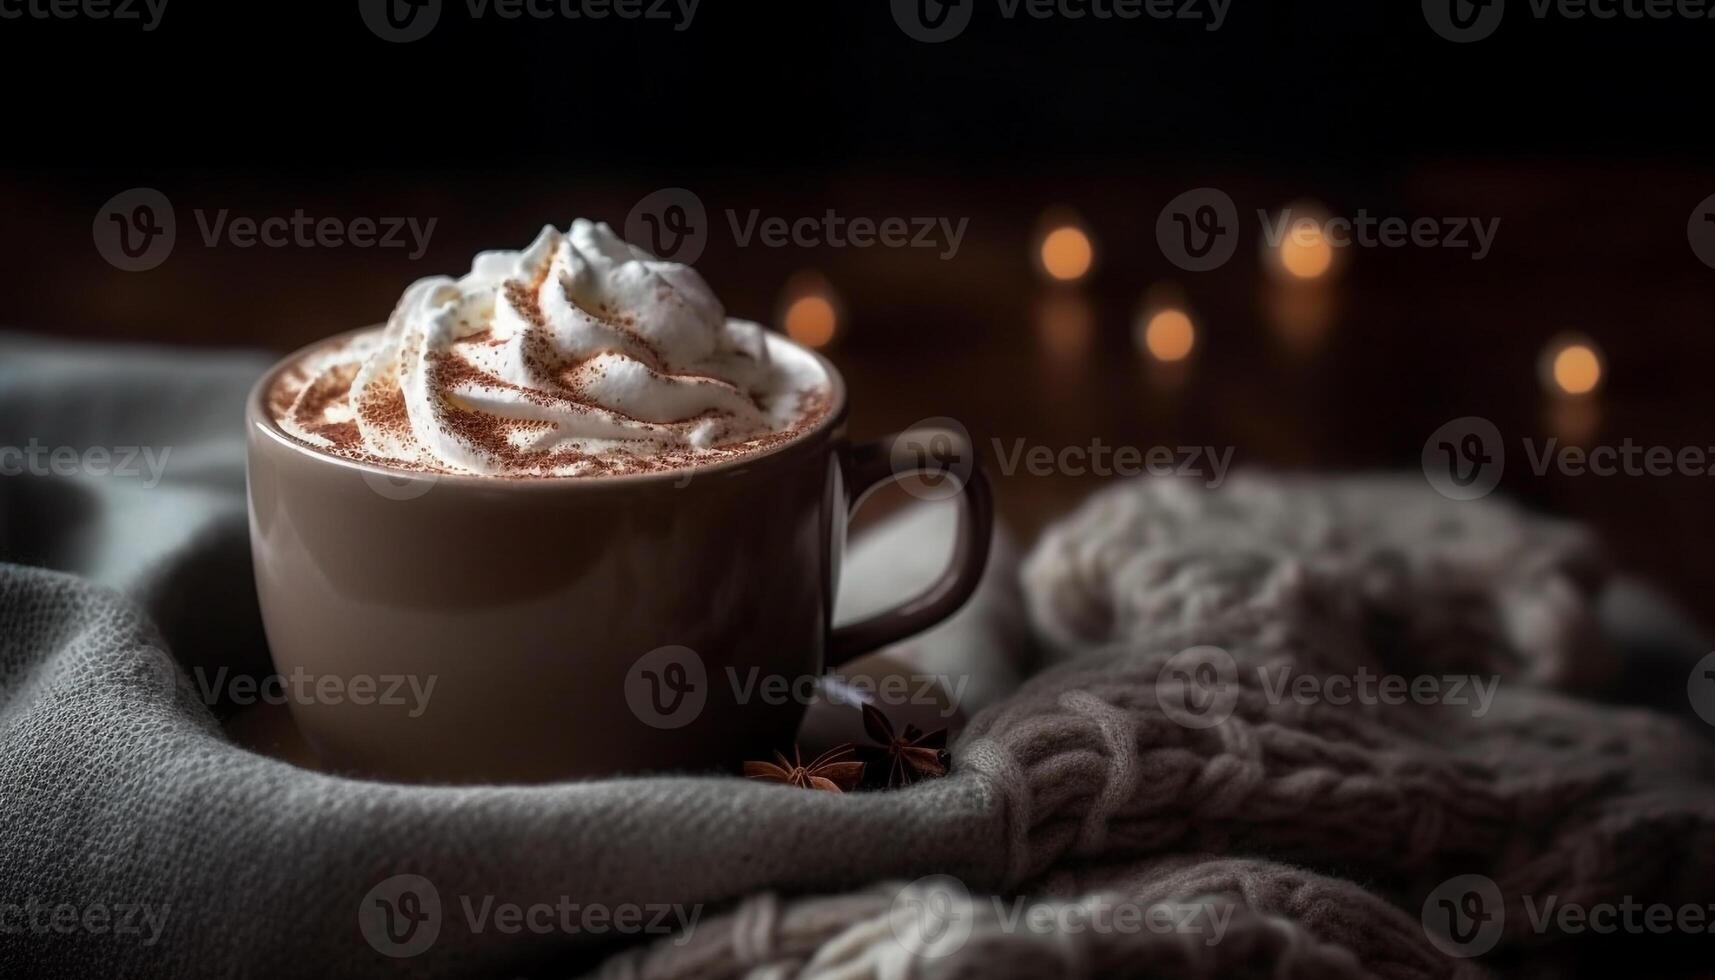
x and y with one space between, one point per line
903 758
833 770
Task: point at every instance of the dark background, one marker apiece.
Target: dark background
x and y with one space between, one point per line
1588 139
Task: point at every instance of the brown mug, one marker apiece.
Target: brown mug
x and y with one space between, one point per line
531 629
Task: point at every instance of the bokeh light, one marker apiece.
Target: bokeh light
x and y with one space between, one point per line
1305 252
1066 253
1296 245
1573 366
811 321
810 310
1169 335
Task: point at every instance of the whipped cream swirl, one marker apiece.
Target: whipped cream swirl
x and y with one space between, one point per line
580 355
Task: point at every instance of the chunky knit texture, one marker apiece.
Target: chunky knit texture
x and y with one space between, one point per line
1312 831
1320 827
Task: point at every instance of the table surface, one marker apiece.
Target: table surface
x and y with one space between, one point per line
1352 372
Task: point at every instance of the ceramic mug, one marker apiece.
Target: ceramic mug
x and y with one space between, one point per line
502 629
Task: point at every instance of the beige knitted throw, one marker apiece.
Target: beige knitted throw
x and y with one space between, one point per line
1299 837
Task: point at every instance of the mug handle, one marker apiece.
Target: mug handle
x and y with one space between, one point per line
873 464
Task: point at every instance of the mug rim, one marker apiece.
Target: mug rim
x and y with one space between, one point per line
262 420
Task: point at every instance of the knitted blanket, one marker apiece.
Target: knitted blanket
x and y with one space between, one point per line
1296 727
1209 757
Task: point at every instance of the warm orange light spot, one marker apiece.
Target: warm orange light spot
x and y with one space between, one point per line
811 320
1169 336
1305 253
1576 369
1067 253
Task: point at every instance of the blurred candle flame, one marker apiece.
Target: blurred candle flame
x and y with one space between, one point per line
1303 251
1064 252
810 309
1168 335
1574 367
1165 334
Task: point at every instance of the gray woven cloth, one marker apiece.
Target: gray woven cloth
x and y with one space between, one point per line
1256 834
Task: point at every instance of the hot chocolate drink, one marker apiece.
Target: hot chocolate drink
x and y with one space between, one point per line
578 356
535 421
